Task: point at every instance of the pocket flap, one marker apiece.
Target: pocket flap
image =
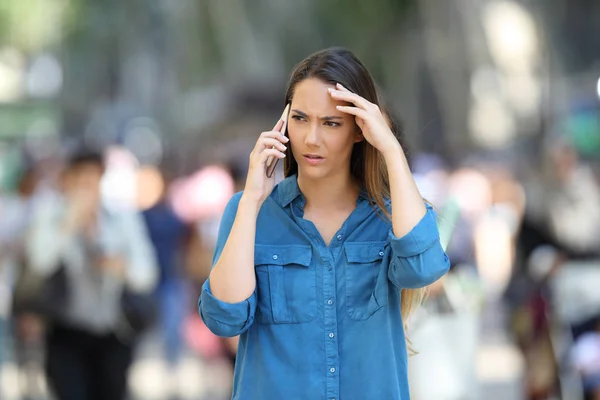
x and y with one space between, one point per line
364 252
282 254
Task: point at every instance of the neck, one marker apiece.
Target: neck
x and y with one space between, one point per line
328 192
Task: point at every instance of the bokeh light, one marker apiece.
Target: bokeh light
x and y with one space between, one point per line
512 36
150 186
12 74
472 191
202 195
45 77
143 139
119 183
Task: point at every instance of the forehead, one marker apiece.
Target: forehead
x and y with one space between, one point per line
312 97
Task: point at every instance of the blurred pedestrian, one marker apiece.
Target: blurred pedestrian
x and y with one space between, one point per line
169 235
97 266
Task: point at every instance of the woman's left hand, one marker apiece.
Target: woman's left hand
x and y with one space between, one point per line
370 120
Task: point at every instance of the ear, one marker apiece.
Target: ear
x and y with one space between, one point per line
358 136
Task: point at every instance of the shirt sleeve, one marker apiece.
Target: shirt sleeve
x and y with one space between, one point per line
226 319
46 241
418 258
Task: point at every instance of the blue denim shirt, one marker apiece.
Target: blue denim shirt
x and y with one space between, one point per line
324 321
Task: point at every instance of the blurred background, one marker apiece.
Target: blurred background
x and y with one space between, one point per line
500 104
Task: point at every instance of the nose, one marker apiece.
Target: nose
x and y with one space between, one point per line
312 138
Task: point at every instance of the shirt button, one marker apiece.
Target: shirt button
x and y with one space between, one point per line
274 256
330 302
331 335
332 370
381 253
339 237
329 267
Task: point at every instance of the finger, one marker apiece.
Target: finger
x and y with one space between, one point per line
266 153
350 98
282 120
342 88
278 126
358 112
274 135
270 142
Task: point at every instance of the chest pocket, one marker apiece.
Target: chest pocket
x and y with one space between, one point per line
366 279
286 284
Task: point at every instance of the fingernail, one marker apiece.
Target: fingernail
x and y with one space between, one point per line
286 138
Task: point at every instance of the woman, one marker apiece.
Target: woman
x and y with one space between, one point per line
315 273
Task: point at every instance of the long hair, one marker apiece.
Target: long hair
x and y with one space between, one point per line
368 168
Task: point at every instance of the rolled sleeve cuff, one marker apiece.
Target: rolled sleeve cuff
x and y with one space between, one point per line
424 235
229 318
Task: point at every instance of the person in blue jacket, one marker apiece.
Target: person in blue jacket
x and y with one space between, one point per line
318 273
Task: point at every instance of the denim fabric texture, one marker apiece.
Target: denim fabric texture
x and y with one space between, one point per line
324 321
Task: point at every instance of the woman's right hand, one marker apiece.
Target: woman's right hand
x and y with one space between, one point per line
269 144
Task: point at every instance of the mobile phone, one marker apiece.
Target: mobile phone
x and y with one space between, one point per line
272 161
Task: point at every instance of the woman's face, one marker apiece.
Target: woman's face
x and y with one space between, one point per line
321 137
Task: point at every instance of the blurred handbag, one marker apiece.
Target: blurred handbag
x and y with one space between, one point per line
139 311
47 296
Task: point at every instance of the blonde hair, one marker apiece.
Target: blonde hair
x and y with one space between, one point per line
367 166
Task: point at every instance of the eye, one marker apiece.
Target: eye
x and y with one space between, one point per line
298 118
332 124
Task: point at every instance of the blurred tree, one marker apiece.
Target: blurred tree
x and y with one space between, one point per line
573 27
184 62
31 25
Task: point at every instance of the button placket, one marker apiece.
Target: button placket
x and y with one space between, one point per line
330 316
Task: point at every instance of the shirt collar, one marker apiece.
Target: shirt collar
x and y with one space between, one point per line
289 190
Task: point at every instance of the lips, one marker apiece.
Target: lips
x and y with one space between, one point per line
313 159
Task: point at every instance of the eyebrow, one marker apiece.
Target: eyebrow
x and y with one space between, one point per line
327 118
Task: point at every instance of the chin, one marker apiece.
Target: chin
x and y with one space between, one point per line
314 173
